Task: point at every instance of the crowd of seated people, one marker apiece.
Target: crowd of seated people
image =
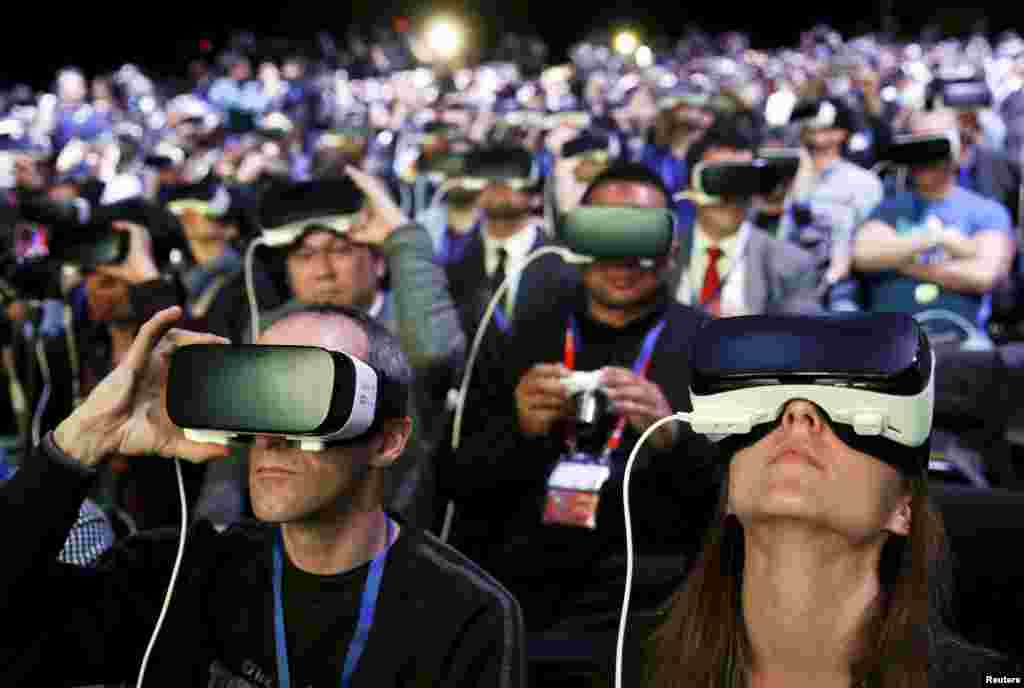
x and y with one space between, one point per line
282 201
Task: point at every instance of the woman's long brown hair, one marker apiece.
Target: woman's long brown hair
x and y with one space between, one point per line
703 642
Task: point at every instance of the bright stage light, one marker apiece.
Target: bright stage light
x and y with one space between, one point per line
644 57
444 37
626 42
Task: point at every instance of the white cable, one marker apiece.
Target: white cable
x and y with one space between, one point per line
442 189
44 399
174 573
620 643
569 257
76 379
250 288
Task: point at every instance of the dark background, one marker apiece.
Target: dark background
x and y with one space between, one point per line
37 39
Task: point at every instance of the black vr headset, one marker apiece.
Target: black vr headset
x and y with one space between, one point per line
872 375
959 94
289 210
509 165
91 246
595 145
615 233
924 150
714 181
302 393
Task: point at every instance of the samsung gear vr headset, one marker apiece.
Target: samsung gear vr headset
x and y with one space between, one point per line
302 393
871 374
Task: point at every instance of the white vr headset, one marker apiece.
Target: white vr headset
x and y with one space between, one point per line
872 372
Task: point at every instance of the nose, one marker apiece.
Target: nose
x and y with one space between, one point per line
802 415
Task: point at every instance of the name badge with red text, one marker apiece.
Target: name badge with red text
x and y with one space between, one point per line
574 491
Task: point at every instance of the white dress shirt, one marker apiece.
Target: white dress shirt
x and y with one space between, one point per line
517 247
729 262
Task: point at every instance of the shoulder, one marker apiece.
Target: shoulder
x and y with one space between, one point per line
896 202
784 255
990 213
451 577
852 172
683 321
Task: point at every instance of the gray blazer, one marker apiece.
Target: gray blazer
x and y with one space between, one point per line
779 276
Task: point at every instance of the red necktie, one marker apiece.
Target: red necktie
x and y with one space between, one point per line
709 294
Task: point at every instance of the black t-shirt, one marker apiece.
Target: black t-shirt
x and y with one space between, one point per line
320 614
440 619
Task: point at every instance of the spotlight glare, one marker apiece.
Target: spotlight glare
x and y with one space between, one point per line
644 57
444 38
626 42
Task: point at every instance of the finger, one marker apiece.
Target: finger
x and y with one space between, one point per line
613 378
365 182
547 387
636 412
549 370
149 335
175 339
632 395
197 452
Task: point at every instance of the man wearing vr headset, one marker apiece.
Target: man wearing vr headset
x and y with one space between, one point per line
827 564
843 192
727 266
509 232
292 601
937 246
525 426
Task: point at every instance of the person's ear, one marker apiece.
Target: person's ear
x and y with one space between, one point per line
389 442
901 518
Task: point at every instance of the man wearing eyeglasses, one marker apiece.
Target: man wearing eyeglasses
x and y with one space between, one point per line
382 265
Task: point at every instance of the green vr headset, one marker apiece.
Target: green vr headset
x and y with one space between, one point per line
615 233
305 394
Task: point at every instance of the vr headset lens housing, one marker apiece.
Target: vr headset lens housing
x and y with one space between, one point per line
308 394
713 181
872 373
923 151
613 233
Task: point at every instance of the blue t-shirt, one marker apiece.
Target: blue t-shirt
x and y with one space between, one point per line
908 212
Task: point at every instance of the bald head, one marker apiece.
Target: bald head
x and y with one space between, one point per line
333 332
933 122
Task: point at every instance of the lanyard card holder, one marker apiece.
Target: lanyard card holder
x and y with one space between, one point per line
574 491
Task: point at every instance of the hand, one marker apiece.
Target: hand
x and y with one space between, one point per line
957 244
139 266
541 399
27 175
642 402
381 215
839 268
126 414
17 311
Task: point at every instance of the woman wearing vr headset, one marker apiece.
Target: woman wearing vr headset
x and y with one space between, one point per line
827 565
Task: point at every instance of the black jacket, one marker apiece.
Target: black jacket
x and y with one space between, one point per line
468 283
440 621
498 479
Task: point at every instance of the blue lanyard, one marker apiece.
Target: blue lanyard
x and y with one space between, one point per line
367 607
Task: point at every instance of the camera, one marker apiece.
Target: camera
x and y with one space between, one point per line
588 397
